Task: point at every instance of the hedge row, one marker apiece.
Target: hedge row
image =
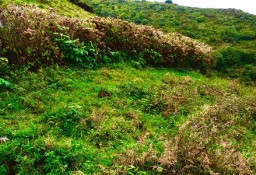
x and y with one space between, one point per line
27 36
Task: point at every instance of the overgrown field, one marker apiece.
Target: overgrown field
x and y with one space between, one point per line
104 96
120 120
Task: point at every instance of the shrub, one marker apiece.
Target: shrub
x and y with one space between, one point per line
28 36
203 144
237 62
234 56
3 66
176 50
25 36
5 85
76 52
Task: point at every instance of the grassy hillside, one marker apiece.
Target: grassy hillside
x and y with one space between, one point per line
61 7
120 120
231 32
105 96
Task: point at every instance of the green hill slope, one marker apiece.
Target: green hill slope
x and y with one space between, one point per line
101 96
61 7
231 32
122 120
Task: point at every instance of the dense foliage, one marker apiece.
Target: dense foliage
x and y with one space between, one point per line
220 28
31 37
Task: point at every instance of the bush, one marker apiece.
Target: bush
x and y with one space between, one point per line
3 66
76 52
25 36
5 85
28 38
237 62
176 50
204 142
233 56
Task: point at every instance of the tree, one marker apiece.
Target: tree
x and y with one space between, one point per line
169 2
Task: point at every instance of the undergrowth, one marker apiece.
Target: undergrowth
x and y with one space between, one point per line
121 120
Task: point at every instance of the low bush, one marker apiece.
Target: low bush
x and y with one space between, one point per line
28 36
4 66
205 144
237 62
76 52
25 36
234 56
5 85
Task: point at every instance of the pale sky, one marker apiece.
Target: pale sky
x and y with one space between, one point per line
245 5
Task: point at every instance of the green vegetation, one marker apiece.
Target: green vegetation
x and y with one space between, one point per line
123 120
104 96
38 37
60 7
222 29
